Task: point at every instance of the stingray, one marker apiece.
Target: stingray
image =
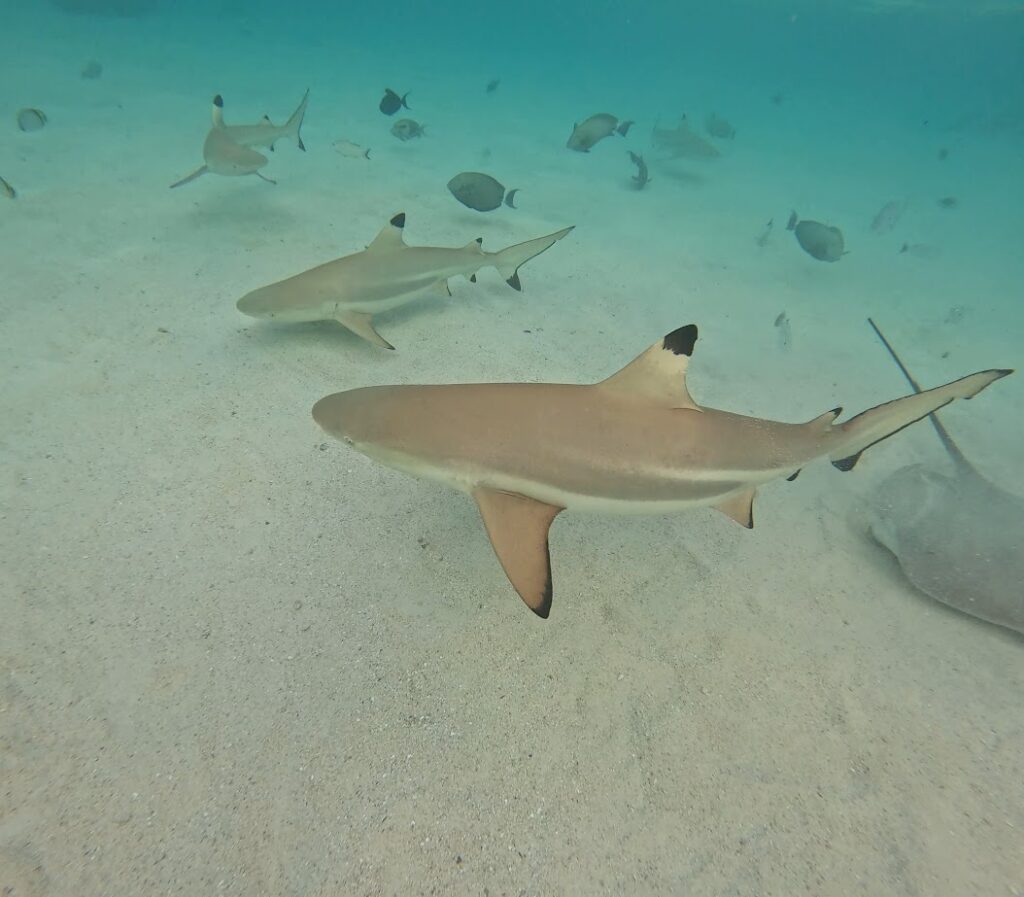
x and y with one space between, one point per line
958 538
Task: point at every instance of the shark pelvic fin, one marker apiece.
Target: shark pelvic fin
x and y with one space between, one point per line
518 528
659 374
441 288
390 237
739 507
361 324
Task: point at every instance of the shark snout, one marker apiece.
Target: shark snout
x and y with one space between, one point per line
256 305
332 414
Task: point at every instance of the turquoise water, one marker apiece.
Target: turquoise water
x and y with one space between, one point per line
239 657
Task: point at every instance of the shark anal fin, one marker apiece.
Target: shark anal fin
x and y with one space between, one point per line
361 324
659 374
518 529
390 237
740 507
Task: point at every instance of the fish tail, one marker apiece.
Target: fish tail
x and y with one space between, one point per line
624 127
510 196
293 127
404 97
872 426
793 219
509 260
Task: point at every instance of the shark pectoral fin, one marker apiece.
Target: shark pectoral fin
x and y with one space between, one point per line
390 238
441 288
740 507
518 528
659 374
361 324
191 177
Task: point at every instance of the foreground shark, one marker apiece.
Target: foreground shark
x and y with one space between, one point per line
636 443
385 275
228 149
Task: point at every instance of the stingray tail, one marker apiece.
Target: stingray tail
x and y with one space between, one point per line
508 261
878 423
293 127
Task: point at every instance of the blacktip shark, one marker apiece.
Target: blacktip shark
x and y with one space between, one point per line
385 275
228 149
635 443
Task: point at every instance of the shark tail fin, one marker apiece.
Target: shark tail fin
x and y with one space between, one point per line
293 127
878 423
509 260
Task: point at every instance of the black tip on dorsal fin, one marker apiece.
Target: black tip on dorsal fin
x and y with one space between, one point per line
835 412
399 220
681 341
480 241
218 101
472 278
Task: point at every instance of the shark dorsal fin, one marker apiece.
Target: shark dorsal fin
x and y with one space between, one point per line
390 237
217 111
659 374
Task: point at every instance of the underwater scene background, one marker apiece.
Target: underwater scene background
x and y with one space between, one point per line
240 658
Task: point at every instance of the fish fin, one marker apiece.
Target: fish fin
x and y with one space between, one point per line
793 219
441 288
659 374
191 177
294 124
361 324
266 120
475 245
265 178
793 476
869 427
518 529
623 128
472 278
217 111
510 196
390 237
405 96
740 507
509 260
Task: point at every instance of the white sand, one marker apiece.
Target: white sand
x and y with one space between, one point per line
240 659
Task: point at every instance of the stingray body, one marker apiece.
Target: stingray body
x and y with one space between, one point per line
958 538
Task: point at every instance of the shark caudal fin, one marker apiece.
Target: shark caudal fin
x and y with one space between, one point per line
875 424
509 260
293 127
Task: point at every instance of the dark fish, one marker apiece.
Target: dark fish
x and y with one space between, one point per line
391 102
947 202
31 119
586 133
776 99
641 178
407 129
719 127
7 190
480 191
92 70
943 154
820 241
762 240
492 85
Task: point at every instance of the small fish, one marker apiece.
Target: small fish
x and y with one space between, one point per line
943 154
31 119
888 216
588 132
719 127
784 330
492 85
391 102
92 70
776 99
820 241
480 191
406 129
949 202
919 250
7 190
641 178
351 150
766 233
